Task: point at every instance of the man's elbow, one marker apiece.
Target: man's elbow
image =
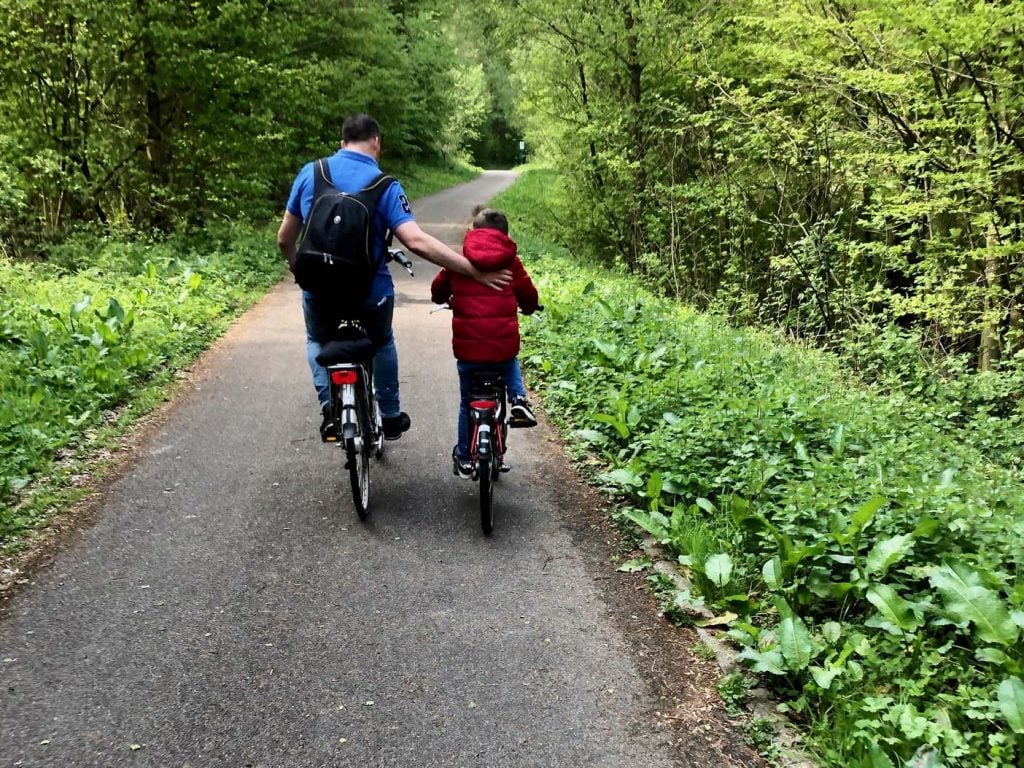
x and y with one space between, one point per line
414 238
285 238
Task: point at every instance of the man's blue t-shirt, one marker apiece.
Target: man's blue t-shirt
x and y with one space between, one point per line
351 172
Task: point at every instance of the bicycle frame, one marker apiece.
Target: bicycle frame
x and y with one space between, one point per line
352 399
355 410
348 359
488 438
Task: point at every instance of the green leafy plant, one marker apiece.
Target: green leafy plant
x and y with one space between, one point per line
868 551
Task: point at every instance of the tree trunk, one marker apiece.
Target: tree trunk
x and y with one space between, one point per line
634 68
155 147
990 337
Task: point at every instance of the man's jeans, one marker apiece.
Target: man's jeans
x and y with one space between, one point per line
321 322
513 377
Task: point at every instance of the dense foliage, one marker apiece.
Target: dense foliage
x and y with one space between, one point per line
131 130
867 552
834 167
163 114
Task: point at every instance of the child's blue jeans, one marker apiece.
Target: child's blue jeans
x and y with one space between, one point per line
513 385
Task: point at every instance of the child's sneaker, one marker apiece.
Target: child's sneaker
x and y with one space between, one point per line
520 415
461 468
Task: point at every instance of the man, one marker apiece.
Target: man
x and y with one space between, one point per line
351 169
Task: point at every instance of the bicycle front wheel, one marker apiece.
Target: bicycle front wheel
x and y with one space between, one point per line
358 463
486 496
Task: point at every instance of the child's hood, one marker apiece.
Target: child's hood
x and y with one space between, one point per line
489 249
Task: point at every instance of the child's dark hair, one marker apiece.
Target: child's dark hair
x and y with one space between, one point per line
488 218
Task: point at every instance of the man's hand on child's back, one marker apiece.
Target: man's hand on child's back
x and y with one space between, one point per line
498 279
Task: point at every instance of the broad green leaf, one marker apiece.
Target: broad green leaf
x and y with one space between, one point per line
879 759
795 642
769 661
863 516
612 351
80 306
886 553
893 608
623 477
619 425
772 573
635 565
991 655
688 602
718 569
654 485
838 441
782 606
591 436
824 676
654 523
706 505
115 310
832 631
967 600
1011 703
926 528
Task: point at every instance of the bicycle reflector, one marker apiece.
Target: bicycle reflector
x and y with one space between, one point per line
346 376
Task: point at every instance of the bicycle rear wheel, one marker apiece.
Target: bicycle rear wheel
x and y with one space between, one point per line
358 463
486 496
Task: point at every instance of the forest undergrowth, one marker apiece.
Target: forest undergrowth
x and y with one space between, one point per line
863 540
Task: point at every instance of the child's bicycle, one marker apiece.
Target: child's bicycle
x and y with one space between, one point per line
349 363
488 421
489 424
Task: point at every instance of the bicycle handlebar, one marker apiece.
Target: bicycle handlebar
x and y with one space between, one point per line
447 305
397 254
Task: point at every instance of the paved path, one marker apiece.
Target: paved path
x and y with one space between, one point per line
228 609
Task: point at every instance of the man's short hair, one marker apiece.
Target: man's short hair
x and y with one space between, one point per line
488 218
359 128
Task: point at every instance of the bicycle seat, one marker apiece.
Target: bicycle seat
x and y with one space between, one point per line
351 345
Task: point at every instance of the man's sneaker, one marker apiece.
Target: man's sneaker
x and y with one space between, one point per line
394 426
462 468
520 415
329 427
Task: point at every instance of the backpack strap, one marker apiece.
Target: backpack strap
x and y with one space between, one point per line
373 191
322 180
371 195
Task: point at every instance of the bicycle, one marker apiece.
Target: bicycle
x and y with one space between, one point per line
488 419
349 363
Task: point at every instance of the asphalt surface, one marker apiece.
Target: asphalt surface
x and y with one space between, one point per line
227 608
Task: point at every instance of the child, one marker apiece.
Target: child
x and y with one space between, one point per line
485 323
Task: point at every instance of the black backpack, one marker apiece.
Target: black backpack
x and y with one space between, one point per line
335 258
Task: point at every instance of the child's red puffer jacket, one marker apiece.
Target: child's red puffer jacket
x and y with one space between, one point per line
485 325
